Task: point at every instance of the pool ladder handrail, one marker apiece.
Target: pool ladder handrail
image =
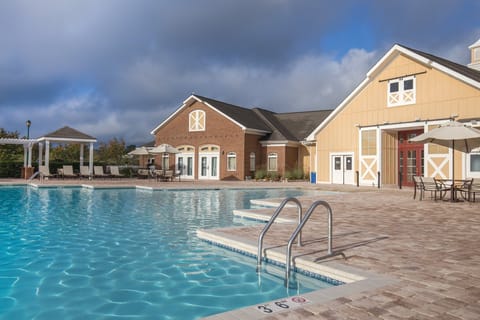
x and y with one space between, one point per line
271 221
298 230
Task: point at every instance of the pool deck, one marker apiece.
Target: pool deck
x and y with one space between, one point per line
429 249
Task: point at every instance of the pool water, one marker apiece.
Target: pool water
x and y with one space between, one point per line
75 253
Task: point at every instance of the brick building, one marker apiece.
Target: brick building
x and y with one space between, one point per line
221 141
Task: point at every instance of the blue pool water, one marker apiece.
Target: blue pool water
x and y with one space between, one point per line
73 253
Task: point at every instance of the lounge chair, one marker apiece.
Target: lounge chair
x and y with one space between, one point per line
44 172
417 181
67 172
474 188
98 172
85 172
115 172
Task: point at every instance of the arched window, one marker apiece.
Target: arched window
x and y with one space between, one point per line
231 161
196 120
272 162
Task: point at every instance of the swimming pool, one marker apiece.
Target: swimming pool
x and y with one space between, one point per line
76 253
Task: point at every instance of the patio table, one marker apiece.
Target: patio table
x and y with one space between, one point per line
454 186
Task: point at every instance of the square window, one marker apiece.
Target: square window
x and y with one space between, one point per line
408 84
393 86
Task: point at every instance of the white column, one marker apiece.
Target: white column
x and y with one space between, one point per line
90 159
47 153
81 154
40 154
25 156
30 154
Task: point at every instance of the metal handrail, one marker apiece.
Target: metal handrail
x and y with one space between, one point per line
271 221
298 230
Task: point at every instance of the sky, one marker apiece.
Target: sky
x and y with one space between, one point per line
118 68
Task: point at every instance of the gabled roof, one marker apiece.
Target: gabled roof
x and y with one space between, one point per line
246 117
293 126
460 72
243 117
67 134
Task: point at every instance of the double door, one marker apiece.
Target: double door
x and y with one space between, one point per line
410 157
342 172
208 164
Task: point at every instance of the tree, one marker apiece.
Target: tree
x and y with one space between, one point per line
112 152
10 152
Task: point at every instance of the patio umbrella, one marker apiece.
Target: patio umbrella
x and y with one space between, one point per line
454 135
164 148
142 151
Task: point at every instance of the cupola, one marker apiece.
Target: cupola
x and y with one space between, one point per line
475 53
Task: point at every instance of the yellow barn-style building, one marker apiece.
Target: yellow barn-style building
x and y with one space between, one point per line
365 140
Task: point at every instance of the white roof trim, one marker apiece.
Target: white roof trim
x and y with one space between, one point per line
279 143
371 74
476 44
54 139
25 142
185 103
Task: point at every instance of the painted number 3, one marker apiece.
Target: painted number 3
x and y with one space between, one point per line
265 309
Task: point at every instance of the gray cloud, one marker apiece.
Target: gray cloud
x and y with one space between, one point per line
119 67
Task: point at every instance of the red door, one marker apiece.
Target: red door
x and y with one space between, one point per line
410 156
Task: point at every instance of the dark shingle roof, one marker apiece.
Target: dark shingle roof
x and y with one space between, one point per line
244 116
68 133
464 70
292 126
301 124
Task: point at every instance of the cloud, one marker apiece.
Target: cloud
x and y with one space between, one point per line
119 67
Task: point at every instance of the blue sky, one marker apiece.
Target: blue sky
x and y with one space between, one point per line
118 68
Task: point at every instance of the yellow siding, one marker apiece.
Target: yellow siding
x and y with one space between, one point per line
438 96
389 158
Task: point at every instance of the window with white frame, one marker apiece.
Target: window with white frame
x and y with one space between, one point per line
196 120
252 161
165 161
401 91
272 162
231 161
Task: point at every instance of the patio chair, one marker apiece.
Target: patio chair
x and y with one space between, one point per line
475 188
143 173
417 185
44 172
468 189
168 175
115 172
435 187
85 172
67 172
98 172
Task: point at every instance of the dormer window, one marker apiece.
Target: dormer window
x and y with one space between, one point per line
196 120
401 91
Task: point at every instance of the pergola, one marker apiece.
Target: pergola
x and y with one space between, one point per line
66 135
27 148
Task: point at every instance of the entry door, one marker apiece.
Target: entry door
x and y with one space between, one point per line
343 169
185 165
208 164
410 157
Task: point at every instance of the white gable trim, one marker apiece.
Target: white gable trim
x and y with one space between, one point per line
390 55
186 103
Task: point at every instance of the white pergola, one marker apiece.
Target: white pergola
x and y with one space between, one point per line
27 148
66 135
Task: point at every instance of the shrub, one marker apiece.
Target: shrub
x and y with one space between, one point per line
260 174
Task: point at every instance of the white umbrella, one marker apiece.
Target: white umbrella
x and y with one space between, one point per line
454 135
164 148
142 151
